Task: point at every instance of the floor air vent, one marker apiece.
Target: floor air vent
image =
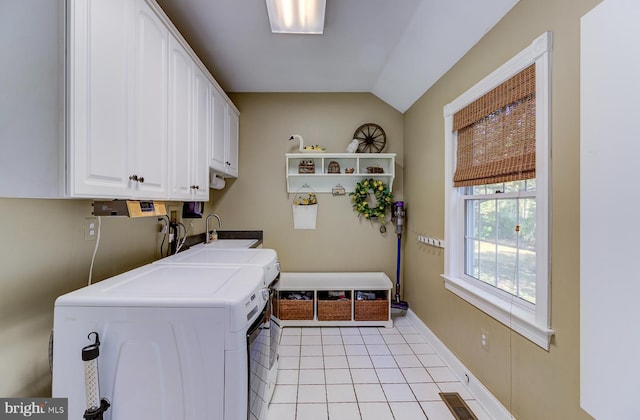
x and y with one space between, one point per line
458 407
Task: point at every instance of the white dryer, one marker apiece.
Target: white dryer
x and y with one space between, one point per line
176 342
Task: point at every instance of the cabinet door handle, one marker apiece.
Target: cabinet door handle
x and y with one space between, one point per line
141 179
195 187
228 163
133 178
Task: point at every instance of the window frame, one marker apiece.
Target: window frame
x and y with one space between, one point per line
531 321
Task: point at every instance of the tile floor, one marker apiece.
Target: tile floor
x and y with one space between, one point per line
362 374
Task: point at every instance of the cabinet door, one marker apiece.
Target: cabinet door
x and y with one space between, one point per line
201 136
150 146
100 97
32 98
180 121
232 142
218 142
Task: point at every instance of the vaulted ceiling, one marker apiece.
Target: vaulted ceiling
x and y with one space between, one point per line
395 49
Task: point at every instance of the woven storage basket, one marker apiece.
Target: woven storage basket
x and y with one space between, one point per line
307 167
334 310
333 168
371 310
295 309
375 170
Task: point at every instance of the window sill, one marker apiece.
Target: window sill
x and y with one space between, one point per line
513 316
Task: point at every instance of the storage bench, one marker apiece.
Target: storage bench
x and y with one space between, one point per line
334 299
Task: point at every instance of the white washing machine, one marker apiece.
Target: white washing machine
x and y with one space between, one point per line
265 259
177 342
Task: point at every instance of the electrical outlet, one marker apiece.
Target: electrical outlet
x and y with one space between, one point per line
484 339
174 214
90 228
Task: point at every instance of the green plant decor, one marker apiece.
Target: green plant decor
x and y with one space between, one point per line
361 199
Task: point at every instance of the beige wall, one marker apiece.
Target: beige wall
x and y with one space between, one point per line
258 198
532 383
43 254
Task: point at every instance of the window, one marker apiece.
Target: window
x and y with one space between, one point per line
500 237
497 194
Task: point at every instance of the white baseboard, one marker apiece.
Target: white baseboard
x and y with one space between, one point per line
491 405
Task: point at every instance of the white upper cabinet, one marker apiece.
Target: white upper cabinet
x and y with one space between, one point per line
101 97
189 126
126 109
218 129
118 100
225 129
180 118
201 139
234 131
32 98
149 157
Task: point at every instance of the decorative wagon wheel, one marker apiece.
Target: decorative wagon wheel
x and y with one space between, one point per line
371 138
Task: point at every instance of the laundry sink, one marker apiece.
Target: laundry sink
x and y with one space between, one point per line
231 243
228 239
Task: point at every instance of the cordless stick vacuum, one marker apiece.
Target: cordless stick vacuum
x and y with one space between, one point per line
399 214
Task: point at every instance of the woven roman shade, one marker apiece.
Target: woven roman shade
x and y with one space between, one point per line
497 134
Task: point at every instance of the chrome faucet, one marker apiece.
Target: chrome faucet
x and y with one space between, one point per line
207 237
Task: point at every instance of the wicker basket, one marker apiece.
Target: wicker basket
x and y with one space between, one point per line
307 167
371 310
288 309
375 170
333 168
334 310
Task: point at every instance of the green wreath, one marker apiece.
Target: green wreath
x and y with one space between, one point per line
384 199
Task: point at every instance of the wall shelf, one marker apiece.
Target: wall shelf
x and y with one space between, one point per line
321 181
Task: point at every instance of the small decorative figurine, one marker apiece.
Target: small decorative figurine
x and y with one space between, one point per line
353 146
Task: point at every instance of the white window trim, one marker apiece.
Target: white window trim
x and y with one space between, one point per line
531 321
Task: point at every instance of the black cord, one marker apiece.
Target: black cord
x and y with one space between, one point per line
165 233
164 236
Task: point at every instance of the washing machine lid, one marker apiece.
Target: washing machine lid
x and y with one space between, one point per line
267 259
228 256
160 285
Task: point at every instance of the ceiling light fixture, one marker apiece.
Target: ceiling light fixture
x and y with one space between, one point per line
296 16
